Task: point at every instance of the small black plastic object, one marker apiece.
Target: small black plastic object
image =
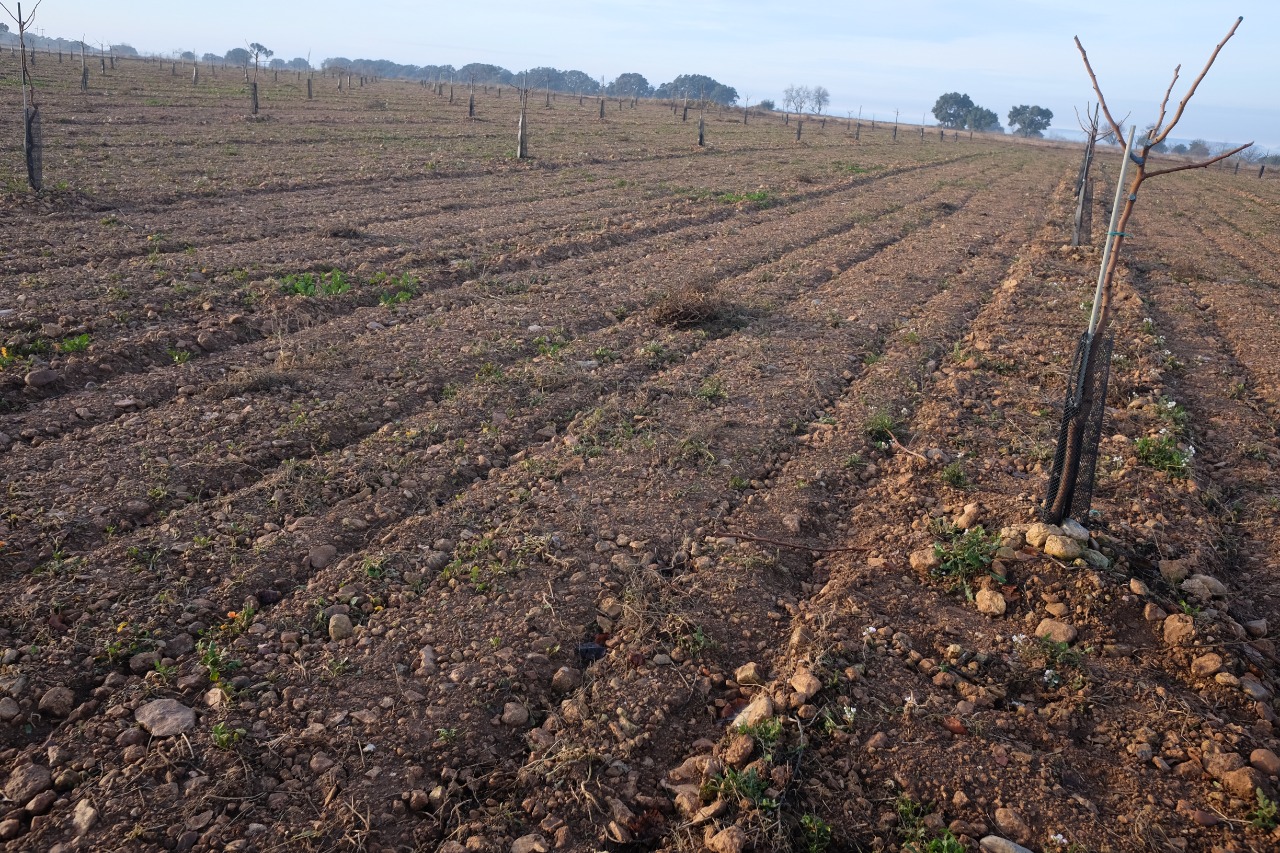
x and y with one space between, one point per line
589 652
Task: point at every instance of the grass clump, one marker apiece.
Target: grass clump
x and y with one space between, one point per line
332 283
1161 452
687 305
953 475
966 557
760 198
879 427
712 390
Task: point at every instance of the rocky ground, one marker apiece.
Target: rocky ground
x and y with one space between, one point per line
367 489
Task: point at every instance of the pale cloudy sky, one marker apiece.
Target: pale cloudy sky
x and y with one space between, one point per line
879 56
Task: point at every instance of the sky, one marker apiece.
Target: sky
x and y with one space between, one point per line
876 57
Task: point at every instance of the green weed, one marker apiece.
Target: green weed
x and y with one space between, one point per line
815 834
1263 815
79 343
1162 453
953 475
965 558
224 738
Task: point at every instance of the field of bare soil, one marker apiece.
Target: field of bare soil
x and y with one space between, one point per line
366 488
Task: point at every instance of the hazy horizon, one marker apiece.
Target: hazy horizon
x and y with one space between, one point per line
877 58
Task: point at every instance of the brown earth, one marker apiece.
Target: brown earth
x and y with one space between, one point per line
594 503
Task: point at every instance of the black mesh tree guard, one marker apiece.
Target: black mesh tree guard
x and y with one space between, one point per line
33 148
1081 470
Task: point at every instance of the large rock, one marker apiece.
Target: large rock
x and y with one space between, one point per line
996 844
968 517
750 673
1265 761
515 714
925 560
1179 629
1243 783
1062 547
1055 631
340 627
566 680
1076 531
322 556
165 717
990 602
1206 666
759 710
1039 532
1175 571
806 684
1218 764
42 377
532 843
1258 691
1011 823
731 839
83 817
739 751
1204 587
27 781
58 701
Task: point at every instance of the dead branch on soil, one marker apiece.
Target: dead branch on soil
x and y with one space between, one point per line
794 546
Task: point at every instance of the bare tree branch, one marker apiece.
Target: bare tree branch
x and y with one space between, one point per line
25 23
1106 111
1182 105
1164 105
1202 164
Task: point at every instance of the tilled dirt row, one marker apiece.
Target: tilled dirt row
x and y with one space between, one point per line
311 431
1048 746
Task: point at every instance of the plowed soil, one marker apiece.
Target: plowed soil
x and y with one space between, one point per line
595 501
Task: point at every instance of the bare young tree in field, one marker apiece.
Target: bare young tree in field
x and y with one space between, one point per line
1088 386
31 148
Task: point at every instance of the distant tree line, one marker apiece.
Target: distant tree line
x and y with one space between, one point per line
958 112
799 98
628 85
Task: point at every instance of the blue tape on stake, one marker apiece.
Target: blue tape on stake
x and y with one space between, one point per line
1135 158
1117 234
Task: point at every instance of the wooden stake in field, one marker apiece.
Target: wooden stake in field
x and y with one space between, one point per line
701 132
308 88
1071 481
522 137
253 96
195 74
